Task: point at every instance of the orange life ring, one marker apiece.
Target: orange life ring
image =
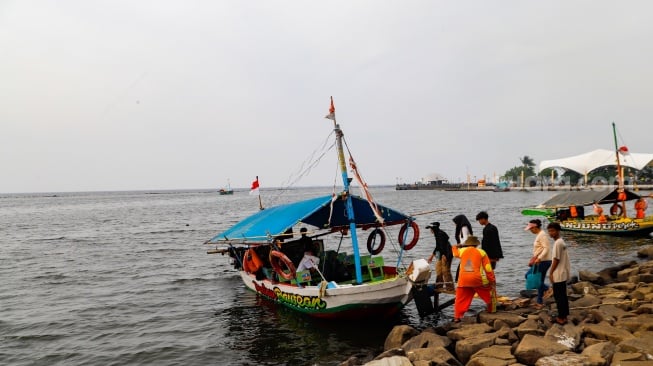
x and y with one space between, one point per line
371 240
251 261
616 210
277 259
402 232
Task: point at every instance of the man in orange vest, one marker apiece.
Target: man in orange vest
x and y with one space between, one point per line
476 277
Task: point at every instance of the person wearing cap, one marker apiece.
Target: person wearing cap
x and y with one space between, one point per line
476 277
309 260
490 242
541 257
443 255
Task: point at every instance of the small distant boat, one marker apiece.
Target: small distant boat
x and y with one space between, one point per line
502 187
226 191
345 284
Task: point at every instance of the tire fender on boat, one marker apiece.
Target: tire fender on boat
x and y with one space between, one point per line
372 239
402 233
277 259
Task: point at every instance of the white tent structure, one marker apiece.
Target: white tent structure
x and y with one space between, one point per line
585 163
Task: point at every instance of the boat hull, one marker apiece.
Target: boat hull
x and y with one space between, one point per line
376 300
621 227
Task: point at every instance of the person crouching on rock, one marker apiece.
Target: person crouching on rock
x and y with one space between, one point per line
476 277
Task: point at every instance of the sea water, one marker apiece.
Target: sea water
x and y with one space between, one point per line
120 278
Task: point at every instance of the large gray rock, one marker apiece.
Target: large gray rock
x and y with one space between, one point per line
579 288
623 286
566 359
591 277
530 326
620 357
468 330
511 319
624 274
426 340
391 361
585 302
609 313
641 345
398 336
643 322
492 356
646 251
435 356
606 332
567 335
600 353
532 348
392 352
468 346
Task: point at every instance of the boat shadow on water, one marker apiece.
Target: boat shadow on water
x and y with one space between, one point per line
258 328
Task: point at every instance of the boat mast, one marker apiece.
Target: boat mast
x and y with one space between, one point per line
620 181
345 182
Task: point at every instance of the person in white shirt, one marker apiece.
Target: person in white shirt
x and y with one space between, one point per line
560 272
309 260
541 257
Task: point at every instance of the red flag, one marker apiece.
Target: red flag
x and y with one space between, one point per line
623 150
332 111
254 190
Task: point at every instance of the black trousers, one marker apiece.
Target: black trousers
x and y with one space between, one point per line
562 302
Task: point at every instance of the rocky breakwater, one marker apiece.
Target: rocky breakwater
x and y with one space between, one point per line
610 323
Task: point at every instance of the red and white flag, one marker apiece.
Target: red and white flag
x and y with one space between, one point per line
254 190
332 112
623 150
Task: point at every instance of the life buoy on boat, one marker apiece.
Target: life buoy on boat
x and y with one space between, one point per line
371 240
616 210
251 261
402 233
277 259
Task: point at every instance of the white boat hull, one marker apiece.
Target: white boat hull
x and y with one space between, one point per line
380 299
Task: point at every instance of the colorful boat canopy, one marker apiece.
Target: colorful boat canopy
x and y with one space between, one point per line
318 212
585 198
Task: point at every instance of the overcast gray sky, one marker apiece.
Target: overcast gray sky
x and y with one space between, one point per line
121 95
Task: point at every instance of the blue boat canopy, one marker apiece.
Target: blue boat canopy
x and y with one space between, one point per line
274 221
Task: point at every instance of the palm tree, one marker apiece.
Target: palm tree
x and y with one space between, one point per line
527 161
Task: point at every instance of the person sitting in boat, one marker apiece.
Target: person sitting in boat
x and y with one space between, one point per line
640 208
309 261
598 210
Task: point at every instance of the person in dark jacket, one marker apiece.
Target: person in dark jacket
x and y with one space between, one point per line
443 255
490 243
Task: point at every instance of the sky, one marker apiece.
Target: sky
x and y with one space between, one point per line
148 95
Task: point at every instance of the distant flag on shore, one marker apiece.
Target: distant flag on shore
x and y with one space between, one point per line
332 112
254 190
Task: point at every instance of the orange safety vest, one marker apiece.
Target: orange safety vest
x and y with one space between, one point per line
640 207
475 267
573 212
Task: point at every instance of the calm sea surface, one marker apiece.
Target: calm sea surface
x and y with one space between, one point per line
122 278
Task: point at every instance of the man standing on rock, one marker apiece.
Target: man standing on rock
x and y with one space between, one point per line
490 242
560 273
476 277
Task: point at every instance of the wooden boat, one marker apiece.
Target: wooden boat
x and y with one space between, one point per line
568 208
344 284
226 191
560 207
